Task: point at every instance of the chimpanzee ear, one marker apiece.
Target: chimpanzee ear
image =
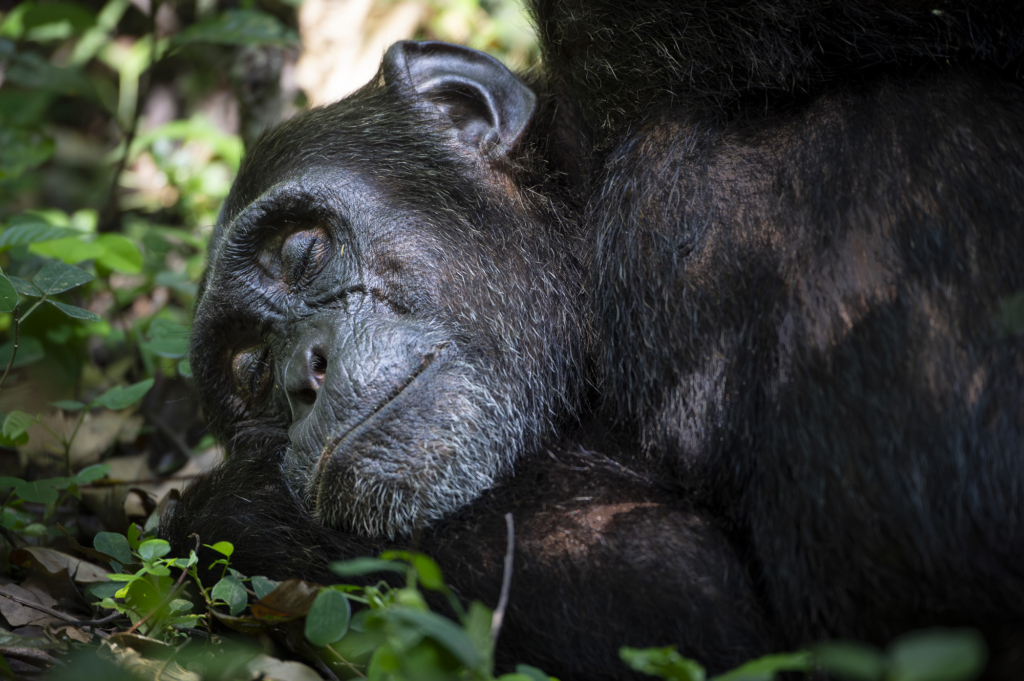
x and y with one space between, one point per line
489 107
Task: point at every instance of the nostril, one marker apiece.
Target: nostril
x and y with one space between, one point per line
317 366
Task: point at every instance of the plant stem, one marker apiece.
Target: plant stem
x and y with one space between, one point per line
14 349
346 662
33 308
67 442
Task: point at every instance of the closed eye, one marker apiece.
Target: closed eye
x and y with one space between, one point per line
253 374
296 254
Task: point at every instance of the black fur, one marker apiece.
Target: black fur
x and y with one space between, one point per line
798 304
772 236
604 557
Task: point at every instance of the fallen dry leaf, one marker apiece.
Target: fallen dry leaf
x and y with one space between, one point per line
55 564
74 633
21 615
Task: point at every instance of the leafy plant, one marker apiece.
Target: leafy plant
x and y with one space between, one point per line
925 655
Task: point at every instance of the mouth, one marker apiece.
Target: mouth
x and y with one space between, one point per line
336 443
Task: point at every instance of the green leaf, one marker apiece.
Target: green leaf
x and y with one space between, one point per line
167 339
55 277
197 128
7 481
429 572
238 27
25 288
120 254
363 566
937 655
477 623
24 148
32 70
37 492
75 312
531 673
765 668
74 16
180 605
91 474
665 663
186 563
103 589
16 423
144 597
230 590
850 660
440 629
262 585
67 405
114 545
27 229
179 281
133 536
158 569
8 294
13 442
382 665
121 398
225 548
153 549
71 250
16 519
30 350
328 617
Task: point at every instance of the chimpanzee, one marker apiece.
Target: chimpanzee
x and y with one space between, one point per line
393 314
771 238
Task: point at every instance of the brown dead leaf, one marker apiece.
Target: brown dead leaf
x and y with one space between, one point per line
19 615
56 565
121 648
244 625
290 600
99 431
108 501
74 633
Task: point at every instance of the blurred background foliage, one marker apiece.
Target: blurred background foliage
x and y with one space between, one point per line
122 125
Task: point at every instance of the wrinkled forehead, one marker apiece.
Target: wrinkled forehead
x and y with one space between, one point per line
373 135
297 195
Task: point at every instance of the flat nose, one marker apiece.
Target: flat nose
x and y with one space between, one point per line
303 377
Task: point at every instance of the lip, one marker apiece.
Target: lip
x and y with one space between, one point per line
429 361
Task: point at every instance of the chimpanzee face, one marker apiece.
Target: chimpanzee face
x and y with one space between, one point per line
398 316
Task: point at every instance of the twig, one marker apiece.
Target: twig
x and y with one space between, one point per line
14 349
42 608
11 538
345 662
101 621
32 654
506 579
